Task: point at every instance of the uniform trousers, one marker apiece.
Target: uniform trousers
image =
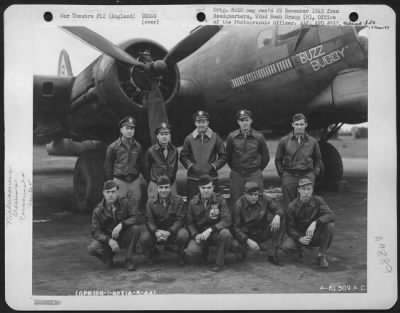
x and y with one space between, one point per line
322 238
149 240
262 235
238 180
132 190
222 239
128 237
289 184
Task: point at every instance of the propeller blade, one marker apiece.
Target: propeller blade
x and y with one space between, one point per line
102 44
156 110
191 43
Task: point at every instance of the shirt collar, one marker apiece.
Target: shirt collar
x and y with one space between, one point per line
158 199
213 198
247 204
104 205
208 133
250 132
305 136
309 203
121 142
159 147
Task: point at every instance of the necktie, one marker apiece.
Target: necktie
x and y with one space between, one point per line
164 203
113 209
299 139
205 203
165 151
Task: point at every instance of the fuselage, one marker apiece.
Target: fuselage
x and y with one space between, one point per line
272 71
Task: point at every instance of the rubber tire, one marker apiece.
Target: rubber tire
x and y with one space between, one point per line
88 180
332 171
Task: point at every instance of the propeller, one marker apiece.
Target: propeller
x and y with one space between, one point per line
153 98
102 44
191 43
156 110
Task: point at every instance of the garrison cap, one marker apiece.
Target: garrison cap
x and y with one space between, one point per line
204 180
200 115
243 113
110 184
251 186
163 180
128 120
304 181
163 127
298 117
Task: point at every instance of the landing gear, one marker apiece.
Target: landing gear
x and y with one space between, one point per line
88 180
332 171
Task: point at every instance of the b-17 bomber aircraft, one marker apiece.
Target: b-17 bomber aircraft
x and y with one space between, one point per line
274 71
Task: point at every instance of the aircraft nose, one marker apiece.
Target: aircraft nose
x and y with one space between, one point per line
363 40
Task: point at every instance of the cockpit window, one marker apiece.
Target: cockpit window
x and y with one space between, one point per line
265 38
286 32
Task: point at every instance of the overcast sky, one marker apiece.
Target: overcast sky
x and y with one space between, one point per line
49 41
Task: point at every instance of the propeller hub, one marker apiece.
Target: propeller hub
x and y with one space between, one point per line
158 68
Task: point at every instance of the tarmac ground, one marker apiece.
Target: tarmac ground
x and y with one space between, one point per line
62 266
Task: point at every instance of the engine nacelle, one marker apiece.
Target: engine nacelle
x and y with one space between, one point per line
89 106
123 86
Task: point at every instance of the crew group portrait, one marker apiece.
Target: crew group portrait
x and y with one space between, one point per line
206 225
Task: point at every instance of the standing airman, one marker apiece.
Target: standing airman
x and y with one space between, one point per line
203 153
161 159
124 160
298 155
247 155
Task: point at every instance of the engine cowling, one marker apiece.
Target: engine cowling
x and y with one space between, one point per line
123 86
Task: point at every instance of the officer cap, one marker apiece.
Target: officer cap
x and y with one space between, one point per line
200 115
243 113
204 180
251 186
163 127
298 117
304 181
128 121
110 184
163 180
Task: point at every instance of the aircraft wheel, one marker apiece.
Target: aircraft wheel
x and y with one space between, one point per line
332 172
88 180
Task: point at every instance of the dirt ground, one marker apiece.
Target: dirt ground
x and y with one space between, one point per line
62 266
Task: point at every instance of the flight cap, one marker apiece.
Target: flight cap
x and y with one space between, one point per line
199 115
128 121
298 117
163 127
163 180
110 184
204 180
243 114
251 186
304 181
